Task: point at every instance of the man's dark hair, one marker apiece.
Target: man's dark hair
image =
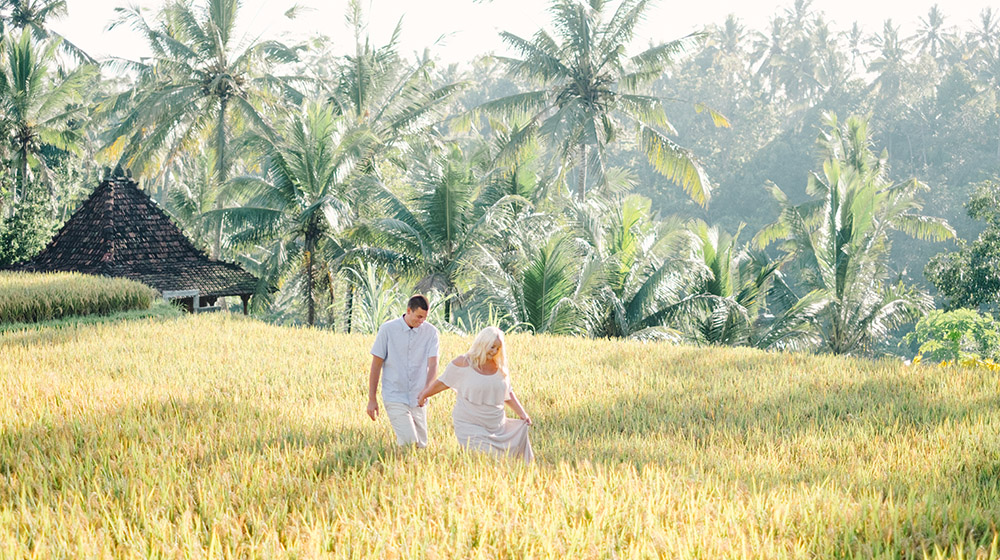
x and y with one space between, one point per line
418 301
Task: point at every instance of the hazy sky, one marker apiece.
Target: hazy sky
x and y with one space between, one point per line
457 30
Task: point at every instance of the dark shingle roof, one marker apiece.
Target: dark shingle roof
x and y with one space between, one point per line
119 231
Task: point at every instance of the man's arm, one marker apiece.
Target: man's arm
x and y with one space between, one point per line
373 377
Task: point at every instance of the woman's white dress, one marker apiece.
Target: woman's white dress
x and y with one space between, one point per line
479 418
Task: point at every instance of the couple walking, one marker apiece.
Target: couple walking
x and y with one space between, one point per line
405 357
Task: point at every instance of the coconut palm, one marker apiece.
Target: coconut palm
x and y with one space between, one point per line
32 15
840 240
191 199
889 64
770 55
855 39
300 202
932 37
987 33
731 37
376 88
201 79
737 295
445 222
590 92
547 289
640 284
38 107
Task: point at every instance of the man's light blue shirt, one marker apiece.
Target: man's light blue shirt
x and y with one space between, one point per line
405 351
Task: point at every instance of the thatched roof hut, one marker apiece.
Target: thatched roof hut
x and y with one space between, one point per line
121 232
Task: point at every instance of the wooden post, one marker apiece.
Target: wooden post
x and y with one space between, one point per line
184 295
246 299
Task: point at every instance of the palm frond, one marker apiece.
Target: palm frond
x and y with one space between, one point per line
924 227
675 163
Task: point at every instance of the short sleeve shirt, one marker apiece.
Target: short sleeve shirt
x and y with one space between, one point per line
405 351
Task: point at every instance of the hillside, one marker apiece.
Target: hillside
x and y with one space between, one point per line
220 436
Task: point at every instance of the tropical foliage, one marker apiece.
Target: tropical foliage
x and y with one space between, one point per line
639 282
970 276
39 109
31 16
840 240
956 336
536 190
591 93
446 220
302 198
200 80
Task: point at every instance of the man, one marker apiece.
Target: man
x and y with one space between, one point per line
405 356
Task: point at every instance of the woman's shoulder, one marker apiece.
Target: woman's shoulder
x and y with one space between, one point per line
461 361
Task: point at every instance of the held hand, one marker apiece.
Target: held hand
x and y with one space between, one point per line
373 409
527 419
421 399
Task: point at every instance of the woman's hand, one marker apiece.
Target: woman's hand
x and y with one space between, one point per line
527 419
429 391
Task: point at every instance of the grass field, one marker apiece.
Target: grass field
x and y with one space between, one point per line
221 437
30 297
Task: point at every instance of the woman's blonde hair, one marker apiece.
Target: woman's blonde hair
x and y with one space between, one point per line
482 344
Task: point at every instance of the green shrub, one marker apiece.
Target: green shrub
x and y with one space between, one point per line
30 298
25 233
956 336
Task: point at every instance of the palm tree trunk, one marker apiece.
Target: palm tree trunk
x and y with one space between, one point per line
220 173
310 300
581 187
349 305
333 298
21 188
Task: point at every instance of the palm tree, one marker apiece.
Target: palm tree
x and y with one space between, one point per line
395 101
840 241
200 79
445 222
38 108
831 71
988 32
300 201
377 89
737 295
932 36
732 36
547 289
640 282
889 65
590 92
855 44
770 55
32 15
191 199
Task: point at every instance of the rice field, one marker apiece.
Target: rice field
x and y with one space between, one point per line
30 298
217 436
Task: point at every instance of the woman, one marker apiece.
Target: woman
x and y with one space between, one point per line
481 379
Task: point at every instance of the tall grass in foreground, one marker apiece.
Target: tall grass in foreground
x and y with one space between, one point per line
218 436
29 298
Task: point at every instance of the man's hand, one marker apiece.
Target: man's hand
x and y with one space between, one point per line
373 409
